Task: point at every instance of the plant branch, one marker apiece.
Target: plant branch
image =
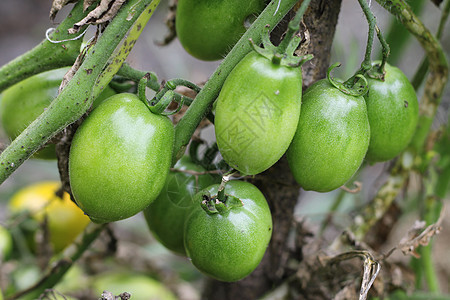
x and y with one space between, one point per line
47 55
98 68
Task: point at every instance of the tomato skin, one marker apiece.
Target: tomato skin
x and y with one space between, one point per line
65 219
209 29
119 158
331 140
167 214
229 246
257 113
393 112
23 102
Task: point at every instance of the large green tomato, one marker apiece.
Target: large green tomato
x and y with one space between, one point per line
331 140
23 102
167 214
227 240
119 158
257 113
208 29
393 112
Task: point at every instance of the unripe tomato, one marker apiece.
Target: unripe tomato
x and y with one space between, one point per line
167 214
139 286
23 102
5 243
209 29
331 140
228 244
257 113
119 158
65 219
393 112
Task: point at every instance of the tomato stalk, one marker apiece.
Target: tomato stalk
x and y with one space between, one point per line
187 125
47 55
293 28
423 68
366 66
76 98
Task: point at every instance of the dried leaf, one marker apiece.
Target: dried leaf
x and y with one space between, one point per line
88 3
104 12
416 237
57 5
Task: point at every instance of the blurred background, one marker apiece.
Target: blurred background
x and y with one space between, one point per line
23 24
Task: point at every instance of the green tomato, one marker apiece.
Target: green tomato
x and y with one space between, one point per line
139 286
23 102
331 140
209 29
229 243
257 113
119 158
166 215
393 112
6 243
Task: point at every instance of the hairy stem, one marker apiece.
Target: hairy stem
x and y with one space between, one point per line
47 55
76 98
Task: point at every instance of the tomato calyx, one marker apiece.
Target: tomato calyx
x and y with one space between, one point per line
212 205
285 58
376 72
355 86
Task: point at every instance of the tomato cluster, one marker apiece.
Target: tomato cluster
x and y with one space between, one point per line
120 156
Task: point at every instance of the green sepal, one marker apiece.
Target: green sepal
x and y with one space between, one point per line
288 58
376 72
359 87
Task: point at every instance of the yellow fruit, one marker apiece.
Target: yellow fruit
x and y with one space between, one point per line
65 219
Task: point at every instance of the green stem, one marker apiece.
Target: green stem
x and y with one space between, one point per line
128 72
423 68
163 103
427 259
76 98
397 36
367 63
293 27
386 50
47 55
187 125
142 86
69 257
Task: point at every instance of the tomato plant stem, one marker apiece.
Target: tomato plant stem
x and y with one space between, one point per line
47 55
293 27
197 110
422 70
76 98
128 72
